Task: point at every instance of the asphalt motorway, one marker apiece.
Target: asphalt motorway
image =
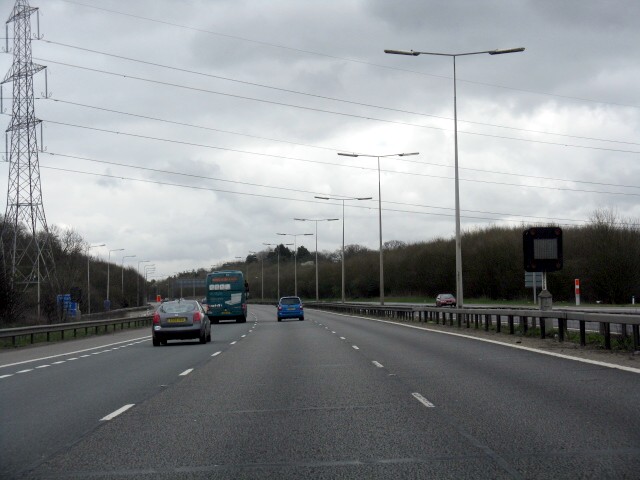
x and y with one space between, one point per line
329 397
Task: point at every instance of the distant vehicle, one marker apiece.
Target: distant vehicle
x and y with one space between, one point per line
180 320
290 307
227 296
445 300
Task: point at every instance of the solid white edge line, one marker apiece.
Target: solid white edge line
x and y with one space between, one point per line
69 353
186 372
495 342
113 415
423 400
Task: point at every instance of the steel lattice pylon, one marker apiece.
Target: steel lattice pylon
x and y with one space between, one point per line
26 245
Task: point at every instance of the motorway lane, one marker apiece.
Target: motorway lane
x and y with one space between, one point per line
52 395
340 397
291 400
523 406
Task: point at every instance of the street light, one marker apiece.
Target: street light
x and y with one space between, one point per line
108 265
379 207
316 221
250 253
278 252
138 281
122 288
89 247
459 293
343 199
295 256
148 269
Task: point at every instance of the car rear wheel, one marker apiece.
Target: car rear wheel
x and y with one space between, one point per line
156 342
301 319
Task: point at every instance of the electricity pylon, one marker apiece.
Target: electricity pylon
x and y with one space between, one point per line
26 244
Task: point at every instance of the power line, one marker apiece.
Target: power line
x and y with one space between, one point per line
275 197
324 97
345 59
418 162
201 177
179 142
332 112
283 157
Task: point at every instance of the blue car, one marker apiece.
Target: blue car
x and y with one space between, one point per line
290 307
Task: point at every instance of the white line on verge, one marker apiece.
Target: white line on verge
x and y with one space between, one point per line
113 415
423 400
495 342
63 354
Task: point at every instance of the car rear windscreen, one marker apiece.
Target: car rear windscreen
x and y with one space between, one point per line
290 301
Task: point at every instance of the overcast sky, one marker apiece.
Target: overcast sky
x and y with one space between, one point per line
191 132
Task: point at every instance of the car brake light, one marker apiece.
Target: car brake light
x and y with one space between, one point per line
196 317
156 318
279 307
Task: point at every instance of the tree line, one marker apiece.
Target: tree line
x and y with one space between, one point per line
603 253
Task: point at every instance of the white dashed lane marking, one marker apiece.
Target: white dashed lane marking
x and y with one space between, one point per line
423 400
186 372
377 364
113 415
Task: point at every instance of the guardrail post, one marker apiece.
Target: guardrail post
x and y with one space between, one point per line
525 323
636 337
543 329
561 328
607 335
498 323
511 329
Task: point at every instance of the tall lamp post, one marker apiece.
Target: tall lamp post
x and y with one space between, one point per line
122 287
379 207
278 252
108 265
89 247
138 281
343 199
250 253
316 222
148 269
295 256
459 293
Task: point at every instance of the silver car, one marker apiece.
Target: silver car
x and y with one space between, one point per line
180 320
